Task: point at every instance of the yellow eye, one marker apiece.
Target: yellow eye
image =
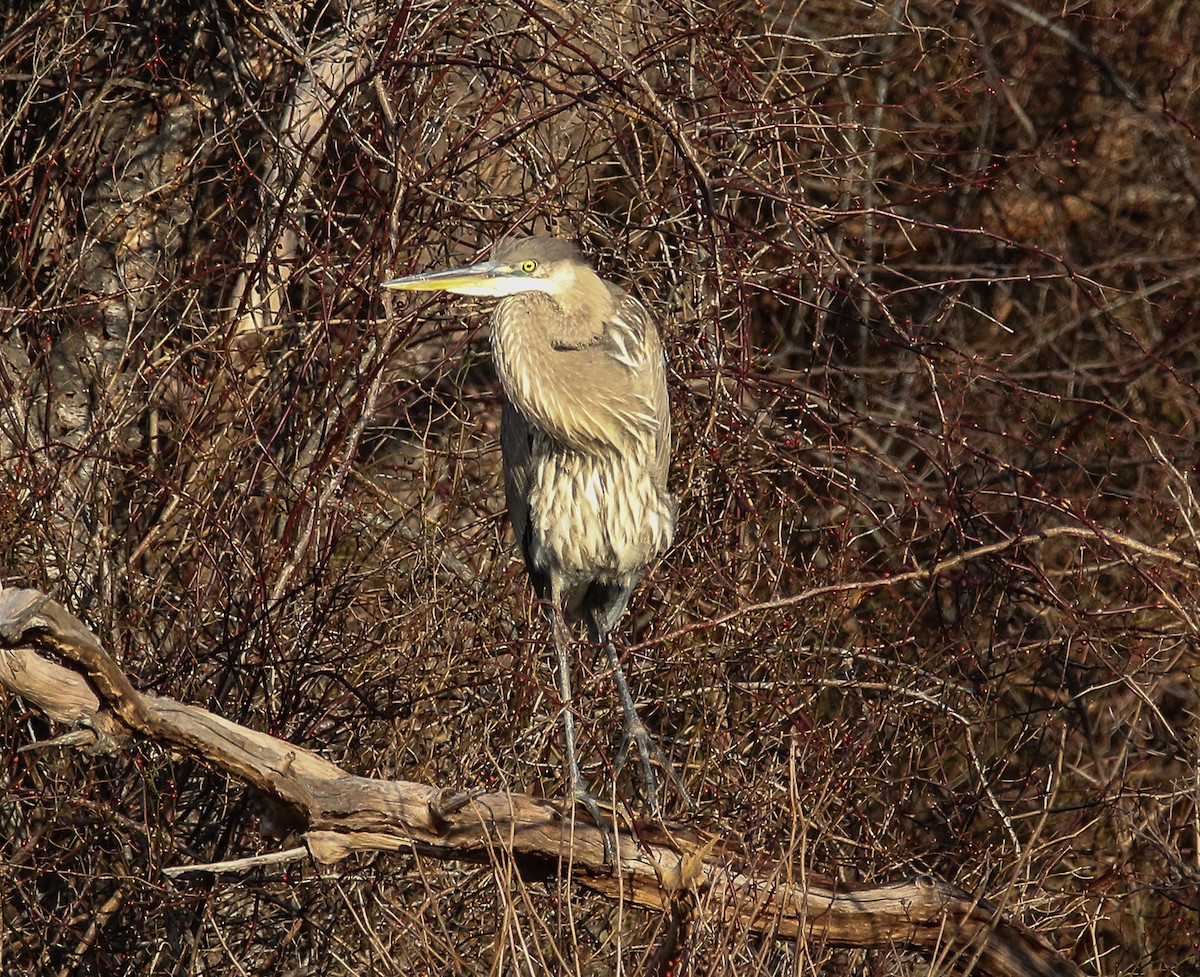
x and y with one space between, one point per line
529 266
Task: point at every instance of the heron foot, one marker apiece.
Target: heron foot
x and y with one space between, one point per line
647 745
648 749
581 795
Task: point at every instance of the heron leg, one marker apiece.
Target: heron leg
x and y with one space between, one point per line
636 732
578 789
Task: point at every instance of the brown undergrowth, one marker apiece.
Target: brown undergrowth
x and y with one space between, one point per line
927 278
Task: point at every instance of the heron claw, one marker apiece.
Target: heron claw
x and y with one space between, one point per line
648 749
581 795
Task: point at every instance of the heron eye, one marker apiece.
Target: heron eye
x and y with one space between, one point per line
529 267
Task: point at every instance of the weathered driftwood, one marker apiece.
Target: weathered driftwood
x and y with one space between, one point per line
659 867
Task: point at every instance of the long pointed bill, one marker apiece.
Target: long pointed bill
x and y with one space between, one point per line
471 280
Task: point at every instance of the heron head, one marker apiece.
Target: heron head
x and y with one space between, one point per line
527 264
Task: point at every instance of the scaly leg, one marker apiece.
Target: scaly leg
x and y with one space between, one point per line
636 732
578 789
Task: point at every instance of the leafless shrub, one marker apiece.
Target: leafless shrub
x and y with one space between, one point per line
927 274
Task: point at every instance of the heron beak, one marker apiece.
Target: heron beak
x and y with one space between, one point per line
467 279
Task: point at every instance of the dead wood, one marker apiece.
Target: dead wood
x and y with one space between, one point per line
660 866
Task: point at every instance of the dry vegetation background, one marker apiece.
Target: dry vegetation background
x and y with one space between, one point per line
928 275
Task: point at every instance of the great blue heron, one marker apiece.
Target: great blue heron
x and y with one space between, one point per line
586 442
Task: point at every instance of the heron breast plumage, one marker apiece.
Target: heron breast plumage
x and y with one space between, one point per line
594 516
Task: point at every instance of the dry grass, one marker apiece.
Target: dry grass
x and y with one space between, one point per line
927 275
